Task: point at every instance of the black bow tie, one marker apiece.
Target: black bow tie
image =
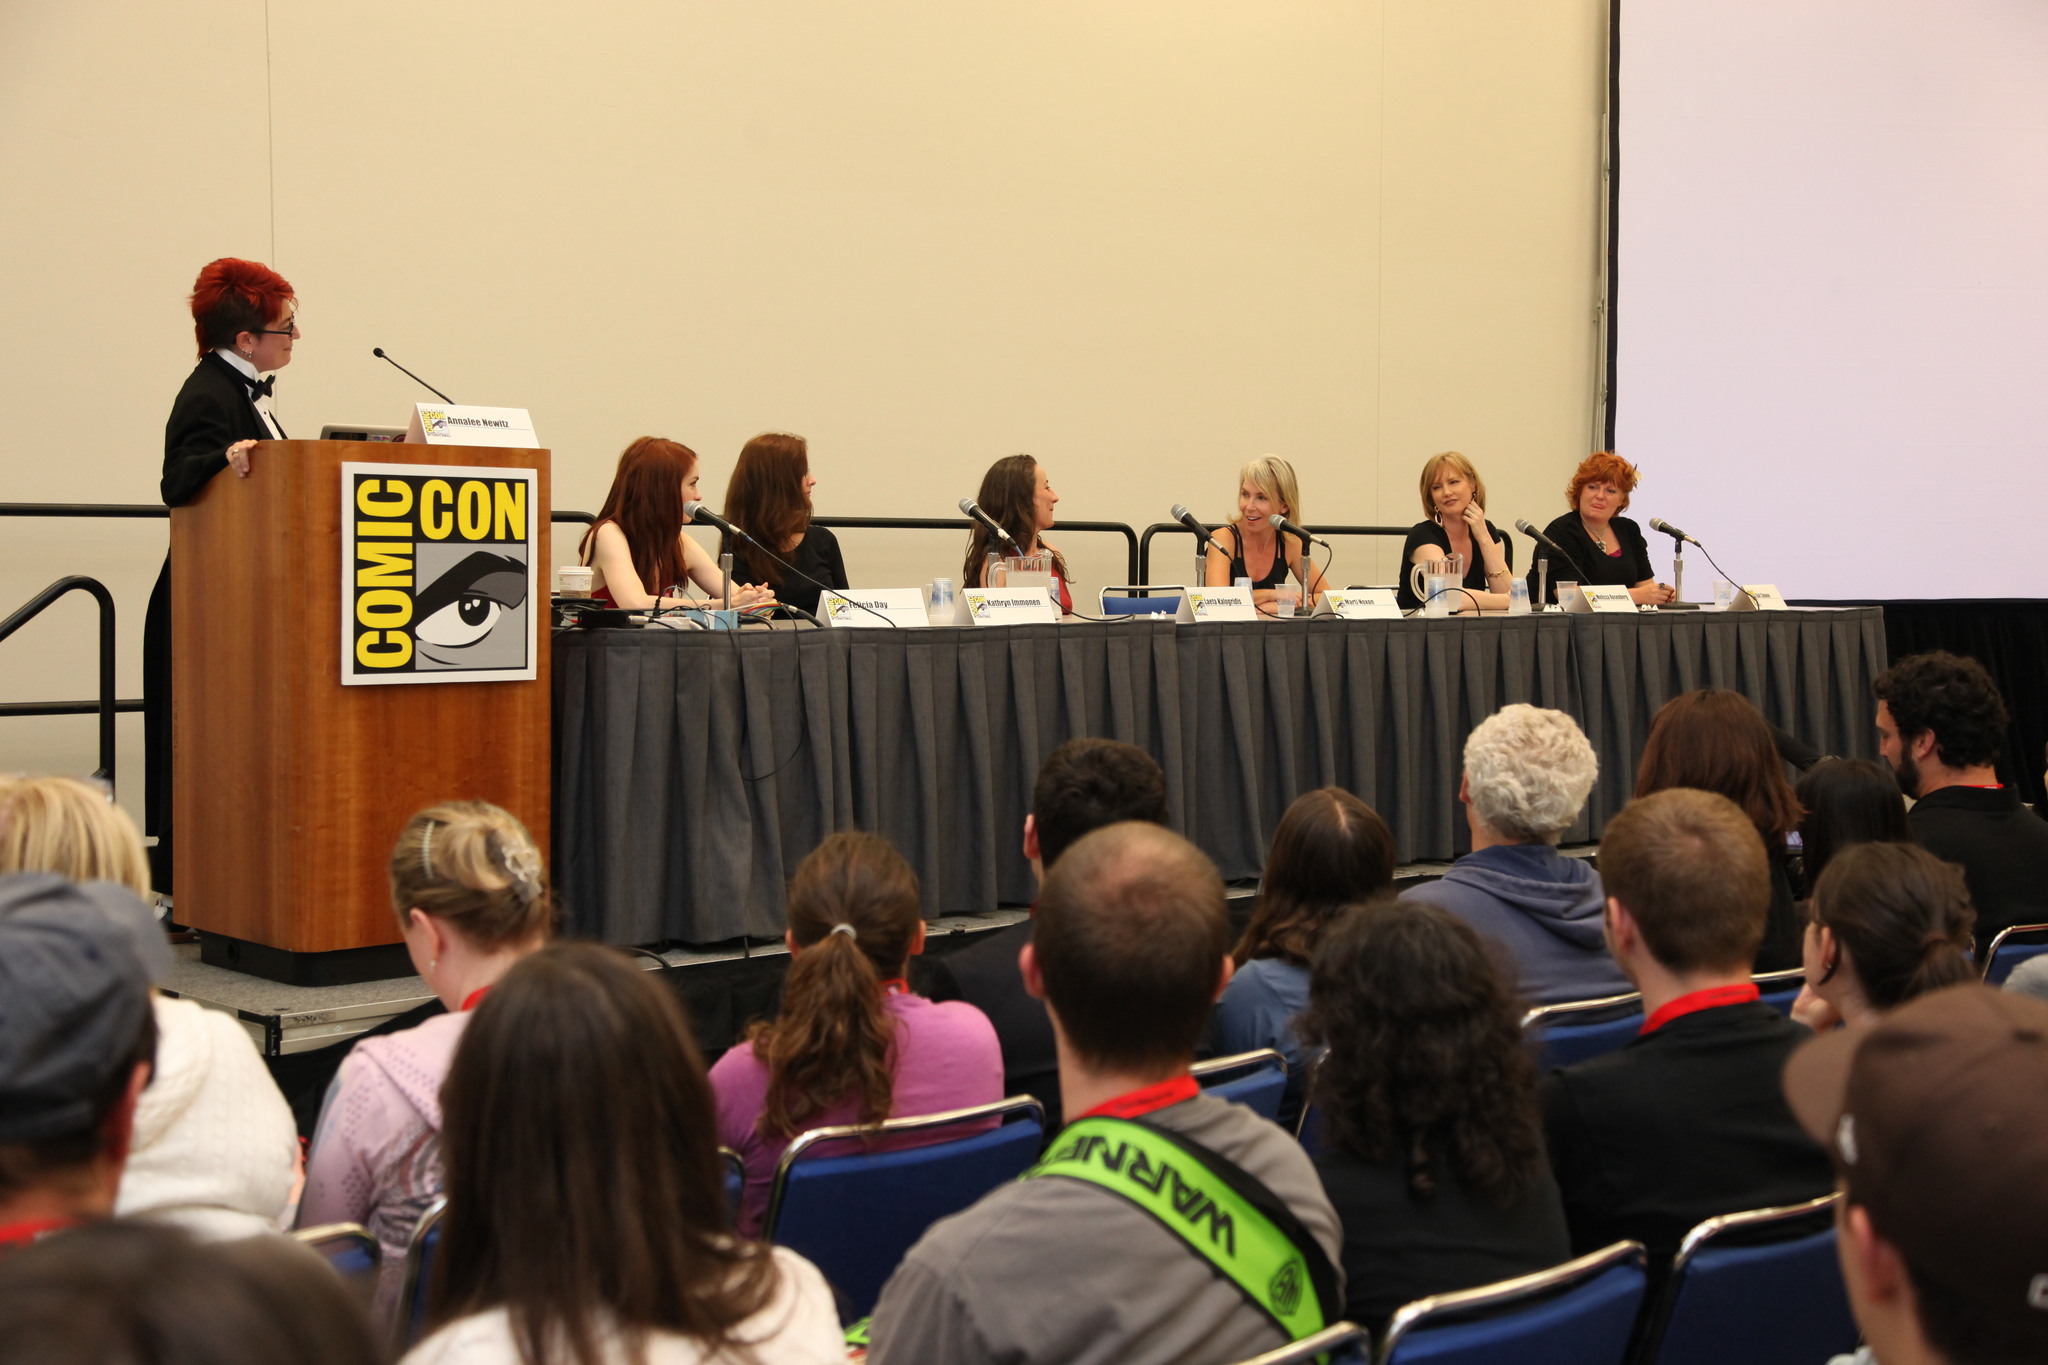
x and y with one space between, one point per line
259 388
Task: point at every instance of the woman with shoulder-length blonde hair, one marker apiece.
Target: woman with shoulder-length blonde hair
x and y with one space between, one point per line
1454 503
215 1149
1017 493
1266 488
1605 547
769 497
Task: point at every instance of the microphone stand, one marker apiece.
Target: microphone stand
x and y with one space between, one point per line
1678 571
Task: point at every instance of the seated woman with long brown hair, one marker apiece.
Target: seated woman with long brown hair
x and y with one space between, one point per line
1435 1161
1716 740
638 547
1017 493
769 497
851 1043
586 1218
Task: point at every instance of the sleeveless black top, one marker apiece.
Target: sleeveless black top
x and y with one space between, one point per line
1275 576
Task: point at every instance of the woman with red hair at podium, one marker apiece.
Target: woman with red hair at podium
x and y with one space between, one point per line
638 547
245 319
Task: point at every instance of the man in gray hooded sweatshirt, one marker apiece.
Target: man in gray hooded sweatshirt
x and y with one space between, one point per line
1528 772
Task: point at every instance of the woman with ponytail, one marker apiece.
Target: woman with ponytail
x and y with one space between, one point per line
472 900
1887 922
851 1044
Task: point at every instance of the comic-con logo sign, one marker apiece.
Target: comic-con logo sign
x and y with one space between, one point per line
438 573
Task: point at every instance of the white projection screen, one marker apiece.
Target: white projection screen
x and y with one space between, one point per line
1832 291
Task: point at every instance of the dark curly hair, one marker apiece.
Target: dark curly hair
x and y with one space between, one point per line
1331 850
1425 1060
1952 696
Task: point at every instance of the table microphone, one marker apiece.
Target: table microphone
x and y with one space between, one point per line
378 351
1547 543
1286 527
698 514
1658 524
1187 519
970 507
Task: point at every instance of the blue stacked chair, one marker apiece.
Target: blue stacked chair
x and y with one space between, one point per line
2010 947
1580 1313
1763 1288
1581 1029
348 1247
855 1216
1137 600
734 1172
1780 990
1257 1080
1341 1343
419 1266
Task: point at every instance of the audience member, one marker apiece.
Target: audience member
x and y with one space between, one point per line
1940 723
1933 1118
1716 740
76 1041
1330 851
214 1147
1887 922
851 1043
1434 1148
1846 801
586 1216
146 1292
1083 785
1686 1122
1528 772
1131 949
471 898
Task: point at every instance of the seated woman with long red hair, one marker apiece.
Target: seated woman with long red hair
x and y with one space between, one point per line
638 547
851 1044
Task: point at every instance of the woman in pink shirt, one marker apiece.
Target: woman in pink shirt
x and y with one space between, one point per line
852 1044
467 884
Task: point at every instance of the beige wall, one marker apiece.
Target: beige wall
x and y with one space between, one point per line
1143 241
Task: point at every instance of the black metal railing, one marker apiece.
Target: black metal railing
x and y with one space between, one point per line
963 524
33 608
1144 554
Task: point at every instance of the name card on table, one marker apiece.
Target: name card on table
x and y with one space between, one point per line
1359 604
445 424
1600 597
1759 597
1216 604
1006 607
885 608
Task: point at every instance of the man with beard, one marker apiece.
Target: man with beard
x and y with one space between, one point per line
1940 724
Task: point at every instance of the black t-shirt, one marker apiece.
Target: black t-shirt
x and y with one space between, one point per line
2001 846
1398 1248
986 976
1589 563
1429 533
1275 575
817 555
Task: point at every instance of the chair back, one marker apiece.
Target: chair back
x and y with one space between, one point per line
348 1247
1257 1080
1582 1029
1761 1287
1137 599
1780 990
733 1168
2010 947
1341 1343
1580 1313
855 1216
411 1322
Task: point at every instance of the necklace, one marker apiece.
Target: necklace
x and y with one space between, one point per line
1599 541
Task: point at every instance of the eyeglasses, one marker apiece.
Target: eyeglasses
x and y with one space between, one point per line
290 328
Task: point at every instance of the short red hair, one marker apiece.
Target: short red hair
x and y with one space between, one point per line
233 296
1605 467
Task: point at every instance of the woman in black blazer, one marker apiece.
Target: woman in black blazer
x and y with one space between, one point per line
245 317
1605 547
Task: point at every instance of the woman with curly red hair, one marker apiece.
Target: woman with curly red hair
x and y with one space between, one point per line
1605 546
245 319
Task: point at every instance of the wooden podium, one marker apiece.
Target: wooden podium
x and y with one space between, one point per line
290 787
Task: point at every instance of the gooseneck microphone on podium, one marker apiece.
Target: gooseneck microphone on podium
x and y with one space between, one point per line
378 351
969 507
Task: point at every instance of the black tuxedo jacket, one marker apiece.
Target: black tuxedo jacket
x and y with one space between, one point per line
212 412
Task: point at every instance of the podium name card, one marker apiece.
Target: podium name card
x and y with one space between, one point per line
1216 604
1006 607
1359 604
885 608
1600 597
446 424
1759 597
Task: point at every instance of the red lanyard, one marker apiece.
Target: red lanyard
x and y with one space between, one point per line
1713 997
1146 1098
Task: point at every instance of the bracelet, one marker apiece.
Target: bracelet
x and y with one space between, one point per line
1492 572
